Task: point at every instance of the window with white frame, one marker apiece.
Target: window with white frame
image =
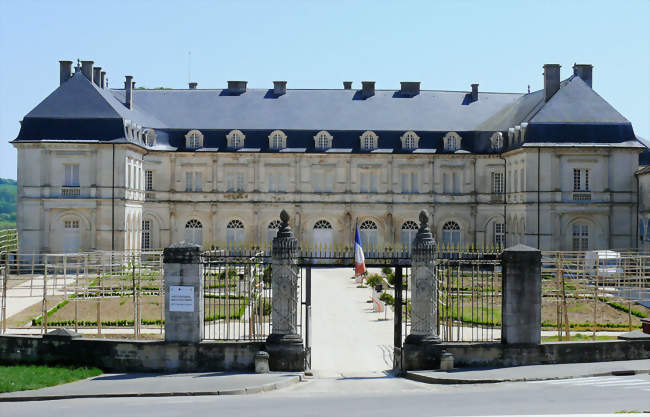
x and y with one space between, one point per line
451 234
496 141
194 139
451 141
235 182
368 181
499 234
322 180
193 181
71 178
410 182
276 181
194 232
235 139
234 233
369 140
408 232
410 140
369 235
580 179
277 140
323 140
150 137
272 230
497 182
146 234
580 236
323 236
71 236
148 180
451 181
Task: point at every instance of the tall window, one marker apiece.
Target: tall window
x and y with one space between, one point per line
580 236
194 232
323 236
148 180
580 179
146 234
277 140
322 181
408 232
410 140
497 182
451 141
369 140
235 139
71 236
368 233
499 234
451 234
410 183
193 139
368 181
193 181
235 182
277 182
456 182
71 178
272 230
323 140
234 233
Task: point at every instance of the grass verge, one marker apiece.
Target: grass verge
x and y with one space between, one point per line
25 377
577 338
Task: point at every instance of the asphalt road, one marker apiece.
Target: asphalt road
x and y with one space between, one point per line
375 395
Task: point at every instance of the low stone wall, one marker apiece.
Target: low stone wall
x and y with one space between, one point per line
130 355
469 355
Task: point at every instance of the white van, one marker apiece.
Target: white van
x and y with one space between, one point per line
604 263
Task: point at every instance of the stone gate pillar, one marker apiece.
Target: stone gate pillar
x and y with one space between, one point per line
424 287
284 345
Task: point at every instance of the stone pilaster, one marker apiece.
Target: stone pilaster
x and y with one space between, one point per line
424 289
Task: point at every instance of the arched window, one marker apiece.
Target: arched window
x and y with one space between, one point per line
369 234
410 140
452 141
369 140
496 141
272 230
451 234
235 139
194 139
323 237
323 140
234 232
277 140
409 230
580 235
194 232
146 234
150 137
71 236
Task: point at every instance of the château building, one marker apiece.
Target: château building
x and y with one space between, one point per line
128 168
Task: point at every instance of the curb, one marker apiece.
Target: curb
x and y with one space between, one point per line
449 381
271 386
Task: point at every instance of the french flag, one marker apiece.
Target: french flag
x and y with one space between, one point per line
359 259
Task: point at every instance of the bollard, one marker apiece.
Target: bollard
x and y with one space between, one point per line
261 362
446 361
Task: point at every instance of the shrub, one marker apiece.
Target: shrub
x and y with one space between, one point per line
387 298
266 275
374 279
266 308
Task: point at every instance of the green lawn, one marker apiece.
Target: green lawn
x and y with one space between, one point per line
24 377
577 337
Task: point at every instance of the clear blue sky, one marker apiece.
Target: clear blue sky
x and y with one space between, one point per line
318 44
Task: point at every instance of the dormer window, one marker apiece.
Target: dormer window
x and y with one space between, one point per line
410 140
194 139
277 140
235 139
452 141
150 137
496 141
369 140
323 140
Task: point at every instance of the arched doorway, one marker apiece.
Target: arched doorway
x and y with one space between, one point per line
194 232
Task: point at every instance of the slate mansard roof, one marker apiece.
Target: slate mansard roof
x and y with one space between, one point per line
79 110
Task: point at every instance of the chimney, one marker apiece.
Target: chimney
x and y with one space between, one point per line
474 92
65 71
128 91
584 71
87 69
97 77
410 87
279 87
102 82
367 88
347 85
193 85
237 87
551 80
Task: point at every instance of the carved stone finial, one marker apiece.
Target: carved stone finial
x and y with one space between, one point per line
424 217
284 216
424 237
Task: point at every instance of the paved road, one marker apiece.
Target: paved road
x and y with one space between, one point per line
375 396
